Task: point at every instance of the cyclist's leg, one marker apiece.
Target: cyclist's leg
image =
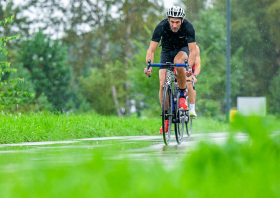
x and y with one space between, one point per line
192 97
181 71
191 91
181 77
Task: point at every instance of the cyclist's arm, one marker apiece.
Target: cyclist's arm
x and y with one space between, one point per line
151 51
197 62
192 48
150 55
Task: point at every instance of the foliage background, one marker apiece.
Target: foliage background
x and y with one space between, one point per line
98 53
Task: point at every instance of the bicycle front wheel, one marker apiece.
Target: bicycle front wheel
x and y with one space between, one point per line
166 114
180 120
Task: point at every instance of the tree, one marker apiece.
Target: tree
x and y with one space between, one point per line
143 89
45 59
211 38
192 8
255 27
274 102
96 88
28 104
82 24
135 12
8 96
20 24
97 35
274 21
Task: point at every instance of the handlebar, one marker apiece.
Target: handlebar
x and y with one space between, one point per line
172 65
168 64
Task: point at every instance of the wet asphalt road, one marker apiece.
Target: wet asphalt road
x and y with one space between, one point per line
134 146
156 141
139 148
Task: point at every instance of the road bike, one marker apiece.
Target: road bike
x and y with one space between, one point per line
170 103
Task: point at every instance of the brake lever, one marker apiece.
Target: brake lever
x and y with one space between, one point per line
187 65
148 66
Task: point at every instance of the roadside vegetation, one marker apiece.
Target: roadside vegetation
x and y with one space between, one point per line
234 169
49 126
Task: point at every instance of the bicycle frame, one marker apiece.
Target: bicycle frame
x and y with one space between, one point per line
176 116
170 75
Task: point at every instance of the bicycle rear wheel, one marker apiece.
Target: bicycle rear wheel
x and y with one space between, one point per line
189 126
180 120
188 121
167 97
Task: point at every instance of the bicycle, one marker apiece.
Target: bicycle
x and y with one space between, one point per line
171 95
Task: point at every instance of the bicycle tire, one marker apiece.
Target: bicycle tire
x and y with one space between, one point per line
189 126
188 122
166 136
180 118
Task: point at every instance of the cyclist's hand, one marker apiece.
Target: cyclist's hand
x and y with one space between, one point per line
149 71
189 73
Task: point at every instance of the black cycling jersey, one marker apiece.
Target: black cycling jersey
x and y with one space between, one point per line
173 40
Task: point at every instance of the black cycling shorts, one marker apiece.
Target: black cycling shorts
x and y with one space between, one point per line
169 55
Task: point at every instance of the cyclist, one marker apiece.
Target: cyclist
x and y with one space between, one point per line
178 43
191 91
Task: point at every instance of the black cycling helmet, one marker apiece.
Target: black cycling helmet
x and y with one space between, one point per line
175 12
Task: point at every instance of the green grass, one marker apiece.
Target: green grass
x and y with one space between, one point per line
48 127
247 169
